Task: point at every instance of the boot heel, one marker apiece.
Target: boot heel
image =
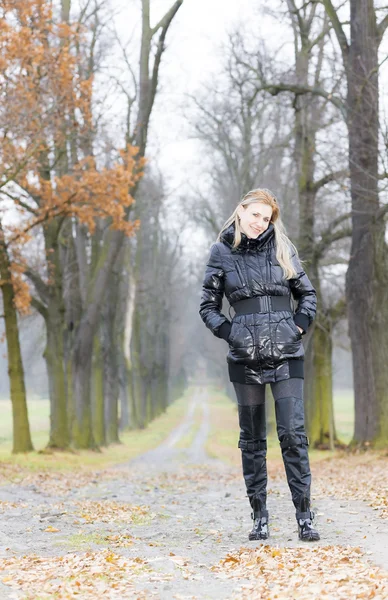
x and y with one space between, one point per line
304 518
260 530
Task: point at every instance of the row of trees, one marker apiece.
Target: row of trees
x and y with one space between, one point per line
72 200
85 239
311 130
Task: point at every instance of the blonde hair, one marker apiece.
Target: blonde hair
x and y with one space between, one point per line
284 246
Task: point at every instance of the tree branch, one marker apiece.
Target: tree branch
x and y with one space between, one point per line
341 37
330 177
39 307
41 287
165 21
275 88
18 201
338 310
381 27
328 236
382 212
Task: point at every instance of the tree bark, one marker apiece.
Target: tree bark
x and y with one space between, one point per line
82 350
54 356
21 428
320 410
110 350
308 118
98 413
367 276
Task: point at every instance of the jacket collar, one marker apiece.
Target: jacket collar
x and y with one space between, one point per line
227 237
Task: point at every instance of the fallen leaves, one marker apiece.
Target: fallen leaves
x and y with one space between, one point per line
88 575
122 540
52 482
303 573
358 477
105 511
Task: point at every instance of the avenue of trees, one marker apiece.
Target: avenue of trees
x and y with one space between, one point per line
92 243
309 128
79 197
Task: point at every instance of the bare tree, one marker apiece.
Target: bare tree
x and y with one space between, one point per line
367 275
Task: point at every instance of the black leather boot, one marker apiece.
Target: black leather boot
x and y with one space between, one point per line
259 515
305 517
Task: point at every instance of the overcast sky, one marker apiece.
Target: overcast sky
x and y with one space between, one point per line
193 55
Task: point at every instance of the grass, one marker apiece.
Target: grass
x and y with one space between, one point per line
344 414
39 417
133 443
78 541
221 443
223 439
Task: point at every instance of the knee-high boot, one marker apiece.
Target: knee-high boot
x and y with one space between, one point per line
253 446
294 444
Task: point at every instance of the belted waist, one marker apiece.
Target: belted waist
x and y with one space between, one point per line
262 304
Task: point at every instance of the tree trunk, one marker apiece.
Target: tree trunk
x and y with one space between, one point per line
124 394
110 350
54 356
367 276
318 391
21 428
127 305
98 414
319 375
82 349
320 414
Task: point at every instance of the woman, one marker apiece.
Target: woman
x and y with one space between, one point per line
257 267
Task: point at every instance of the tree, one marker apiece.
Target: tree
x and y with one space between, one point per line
47 106
145 376
241 122
15 295
367 275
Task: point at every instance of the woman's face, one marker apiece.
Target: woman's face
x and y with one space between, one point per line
254 218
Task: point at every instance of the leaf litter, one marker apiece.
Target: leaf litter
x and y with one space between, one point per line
303 573
356 477
87 575
330 572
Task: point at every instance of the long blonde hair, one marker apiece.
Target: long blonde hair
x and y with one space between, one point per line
284 246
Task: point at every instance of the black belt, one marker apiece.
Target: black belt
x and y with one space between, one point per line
262 304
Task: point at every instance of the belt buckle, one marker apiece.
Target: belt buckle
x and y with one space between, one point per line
266 303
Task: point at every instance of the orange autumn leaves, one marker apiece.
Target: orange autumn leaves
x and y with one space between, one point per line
46 97
47 167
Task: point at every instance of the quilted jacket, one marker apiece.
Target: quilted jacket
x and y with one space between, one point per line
263 346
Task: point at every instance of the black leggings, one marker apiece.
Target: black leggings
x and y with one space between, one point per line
289 408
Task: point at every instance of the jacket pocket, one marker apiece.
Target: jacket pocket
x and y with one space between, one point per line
241 343
287 337
294 326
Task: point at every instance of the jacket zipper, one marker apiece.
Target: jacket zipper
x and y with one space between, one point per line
268 265
240 274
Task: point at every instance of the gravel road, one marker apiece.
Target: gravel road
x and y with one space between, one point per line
195 511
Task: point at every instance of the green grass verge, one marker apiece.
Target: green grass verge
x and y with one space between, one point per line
344 414
132 443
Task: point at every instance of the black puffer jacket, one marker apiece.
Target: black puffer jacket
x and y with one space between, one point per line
263 346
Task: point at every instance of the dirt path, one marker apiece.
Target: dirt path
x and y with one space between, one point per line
174 513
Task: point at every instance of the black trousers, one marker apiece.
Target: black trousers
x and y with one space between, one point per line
289 408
